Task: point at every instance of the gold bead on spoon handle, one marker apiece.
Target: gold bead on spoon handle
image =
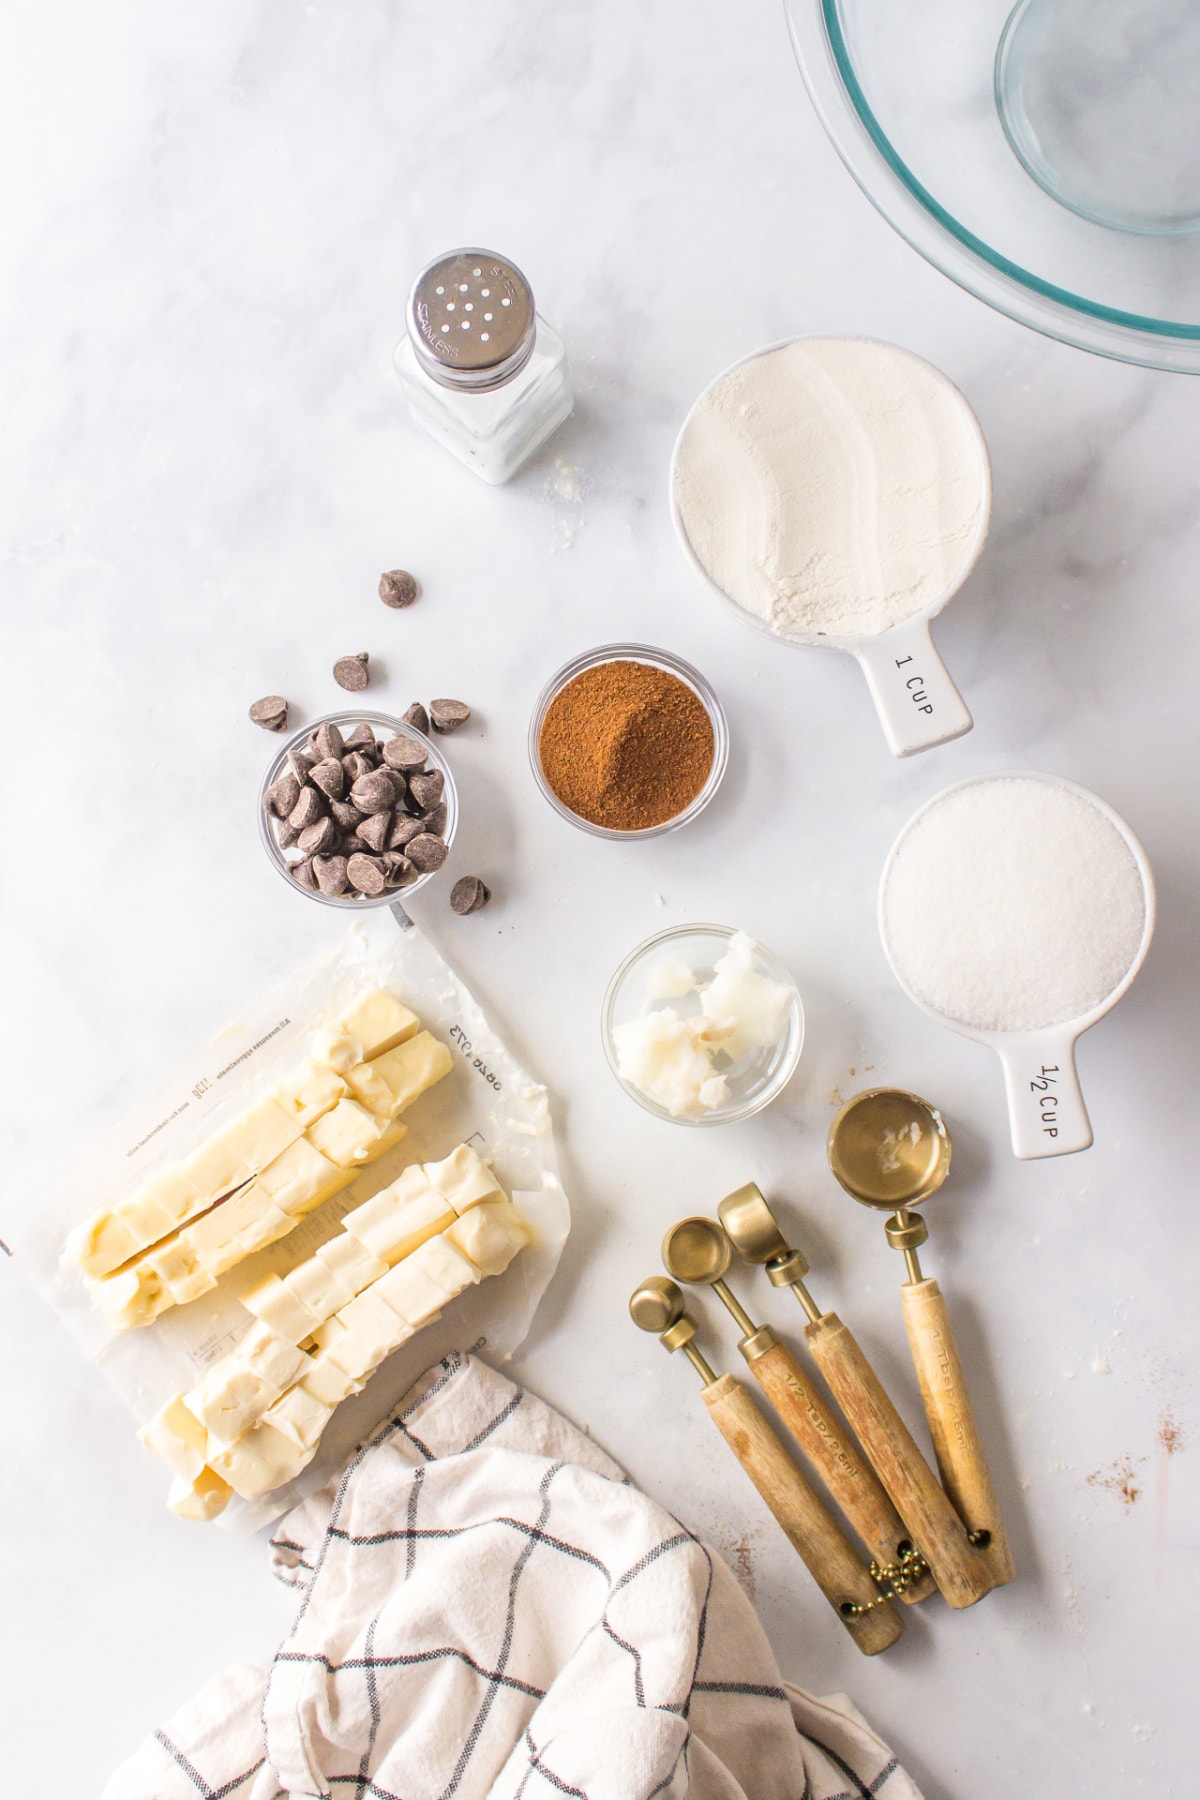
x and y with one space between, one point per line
933 1524
698 1251
871 1620
891 1150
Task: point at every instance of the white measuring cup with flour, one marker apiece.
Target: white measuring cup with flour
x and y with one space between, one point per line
836 493
1016 908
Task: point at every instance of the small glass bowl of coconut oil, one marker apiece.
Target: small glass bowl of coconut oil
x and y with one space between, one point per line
702 1025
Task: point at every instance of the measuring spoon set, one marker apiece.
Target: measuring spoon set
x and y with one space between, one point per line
915 1532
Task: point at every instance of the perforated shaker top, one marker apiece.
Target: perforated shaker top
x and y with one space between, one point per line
471 319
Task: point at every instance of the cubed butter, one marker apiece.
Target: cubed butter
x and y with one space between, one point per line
300 1416
398 1077
280 1309
146 1217
464 1179
259 1461
317 1288
378 1021
337 1049
370 1331
302 1179
174 1264
421 1285
172 1189
326 1381
311 1089
445 1266
350 1136
393 1223
262 1132
489 1236
350 1262
268 1228
216 1169
228 1401
202 1498
101 1244
177 1438
131 1297
270 1355
216 1229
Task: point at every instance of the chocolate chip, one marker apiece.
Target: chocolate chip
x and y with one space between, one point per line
283 794
397 588
303 873
366 873
374 793
328 741
271 713
416 715
427 852
307 810
448 715
351 672
404 830
362 738
300 762
330 777
468 895
399 872
376 830
427 789
330 873
436 819
347 816
318 839
286 834
405 753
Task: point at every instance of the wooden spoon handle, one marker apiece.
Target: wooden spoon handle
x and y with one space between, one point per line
836 1459
956 1441
933 1524
833 1565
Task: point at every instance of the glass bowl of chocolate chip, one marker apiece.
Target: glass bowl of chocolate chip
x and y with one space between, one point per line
628 741
358 809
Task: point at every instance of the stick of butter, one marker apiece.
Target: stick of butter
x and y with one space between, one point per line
489 1236
398 1077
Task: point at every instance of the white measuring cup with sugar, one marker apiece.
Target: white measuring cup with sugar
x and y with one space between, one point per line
916 700
1046 1109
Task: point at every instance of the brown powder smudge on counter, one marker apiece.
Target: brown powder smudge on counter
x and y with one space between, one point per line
626 745
1120 1478
1170 1435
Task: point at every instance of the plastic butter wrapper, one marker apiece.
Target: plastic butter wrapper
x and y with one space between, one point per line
487 1101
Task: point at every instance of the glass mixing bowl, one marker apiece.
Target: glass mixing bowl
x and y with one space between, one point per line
977 132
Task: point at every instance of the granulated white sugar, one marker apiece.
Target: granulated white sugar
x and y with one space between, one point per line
1013 904
832 487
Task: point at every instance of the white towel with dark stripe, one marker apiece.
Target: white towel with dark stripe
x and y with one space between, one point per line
488 1610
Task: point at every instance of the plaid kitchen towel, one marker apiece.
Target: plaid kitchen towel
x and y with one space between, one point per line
487 1608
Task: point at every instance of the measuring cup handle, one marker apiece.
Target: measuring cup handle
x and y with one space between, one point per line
917 703
1046 1112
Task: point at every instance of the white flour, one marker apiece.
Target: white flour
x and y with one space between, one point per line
1012 905
833 487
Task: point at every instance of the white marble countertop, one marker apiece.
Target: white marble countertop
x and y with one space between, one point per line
213 218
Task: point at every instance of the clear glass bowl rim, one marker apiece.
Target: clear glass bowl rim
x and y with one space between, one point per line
383 725
821 49
663 659
779 972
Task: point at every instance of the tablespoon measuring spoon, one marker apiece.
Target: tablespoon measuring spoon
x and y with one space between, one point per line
698 1252
799 511
890 1150
1042 903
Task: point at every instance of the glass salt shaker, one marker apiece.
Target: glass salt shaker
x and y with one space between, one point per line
480 370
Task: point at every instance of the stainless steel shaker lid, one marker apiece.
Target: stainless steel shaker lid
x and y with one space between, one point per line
471 319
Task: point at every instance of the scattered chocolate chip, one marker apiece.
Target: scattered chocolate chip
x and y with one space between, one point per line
436 819
330 777
469 894
398 871
330 873
375 830
318 839
366 873
426 789
283 794
362 738
303 873
346 814
286 834
397 588
351 672
271 713
404 831
308 809
448 715
328 741
426 851
405 753
373 793
300 762
416 715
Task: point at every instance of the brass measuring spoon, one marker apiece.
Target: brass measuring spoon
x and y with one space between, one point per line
891 1150
698 1251
912 1487
657 1305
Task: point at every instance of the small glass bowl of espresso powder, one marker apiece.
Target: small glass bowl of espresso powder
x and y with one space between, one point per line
628 741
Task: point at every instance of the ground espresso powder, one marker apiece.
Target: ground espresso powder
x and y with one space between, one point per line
626 745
